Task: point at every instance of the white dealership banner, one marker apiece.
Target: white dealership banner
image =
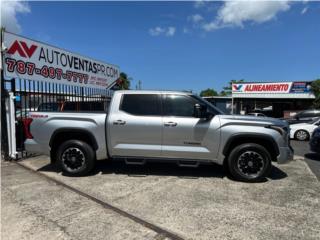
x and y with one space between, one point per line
280 87
33 60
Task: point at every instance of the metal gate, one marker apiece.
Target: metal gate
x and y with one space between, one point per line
26 96
44 78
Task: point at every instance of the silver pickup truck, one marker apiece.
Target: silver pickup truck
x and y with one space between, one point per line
145 126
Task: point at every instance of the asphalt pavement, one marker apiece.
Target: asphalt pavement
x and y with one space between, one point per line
302 151
201 203
159 201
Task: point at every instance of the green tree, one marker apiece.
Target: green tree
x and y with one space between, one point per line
315 88
227 90
208 92
123 81
223 93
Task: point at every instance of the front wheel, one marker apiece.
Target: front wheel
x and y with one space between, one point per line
249 162
75 157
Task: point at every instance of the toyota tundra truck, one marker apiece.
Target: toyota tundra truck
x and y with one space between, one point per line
142 126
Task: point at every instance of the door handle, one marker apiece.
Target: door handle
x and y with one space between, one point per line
170 124
119 122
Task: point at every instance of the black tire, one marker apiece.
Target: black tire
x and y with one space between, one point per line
75 158
301 135
249 162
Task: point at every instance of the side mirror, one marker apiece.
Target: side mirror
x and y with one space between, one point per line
200 111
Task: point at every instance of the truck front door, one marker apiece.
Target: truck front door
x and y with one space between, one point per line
185 136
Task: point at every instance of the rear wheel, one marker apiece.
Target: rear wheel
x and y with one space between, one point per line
249 162
301 135
75 157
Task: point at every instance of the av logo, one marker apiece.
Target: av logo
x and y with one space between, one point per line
22 49
237 87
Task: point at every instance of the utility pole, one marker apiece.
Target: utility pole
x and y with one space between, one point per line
139 85
4 95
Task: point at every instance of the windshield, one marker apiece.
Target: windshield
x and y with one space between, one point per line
315 121
211 107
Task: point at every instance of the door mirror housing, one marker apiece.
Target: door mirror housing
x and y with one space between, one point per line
200 111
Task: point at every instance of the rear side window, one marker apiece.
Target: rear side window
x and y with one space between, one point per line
141 104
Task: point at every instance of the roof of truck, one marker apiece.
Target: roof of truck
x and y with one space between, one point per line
152 92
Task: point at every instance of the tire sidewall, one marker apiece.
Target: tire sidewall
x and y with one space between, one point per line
88 154
233 159
296 133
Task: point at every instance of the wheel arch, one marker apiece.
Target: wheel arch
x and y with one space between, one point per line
262 139
65 134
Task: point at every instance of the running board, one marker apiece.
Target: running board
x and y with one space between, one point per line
135 161
183 163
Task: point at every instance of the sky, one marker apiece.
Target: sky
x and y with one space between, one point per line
181 45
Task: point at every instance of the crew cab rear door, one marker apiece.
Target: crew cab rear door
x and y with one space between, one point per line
185 136
135 125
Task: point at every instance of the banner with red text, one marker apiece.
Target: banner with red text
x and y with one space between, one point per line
28 59
283 87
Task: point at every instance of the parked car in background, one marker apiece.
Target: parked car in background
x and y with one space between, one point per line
265 111
303 131
306 116
66 106
50 107
256 114
315 141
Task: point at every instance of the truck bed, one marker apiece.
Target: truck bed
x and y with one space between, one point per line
46 125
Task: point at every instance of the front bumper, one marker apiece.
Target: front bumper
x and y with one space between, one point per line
315 144
285 154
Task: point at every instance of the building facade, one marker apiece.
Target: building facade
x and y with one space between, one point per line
274 99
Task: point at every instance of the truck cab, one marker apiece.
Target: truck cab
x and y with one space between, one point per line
162 124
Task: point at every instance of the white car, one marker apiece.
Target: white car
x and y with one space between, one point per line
303 131
256 114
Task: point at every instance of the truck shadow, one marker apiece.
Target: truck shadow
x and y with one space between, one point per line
164 169
313 156
159 169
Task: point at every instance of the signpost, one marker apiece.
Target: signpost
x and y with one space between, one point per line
33 60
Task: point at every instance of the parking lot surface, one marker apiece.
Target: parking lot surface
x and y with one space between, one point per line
201 203
312 159
35 208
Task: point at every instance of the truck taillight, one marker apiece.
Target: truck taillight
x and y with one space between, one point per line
26 127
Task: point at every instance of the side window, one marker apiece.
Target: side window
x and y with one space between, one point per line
141 104
179 105
307 114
